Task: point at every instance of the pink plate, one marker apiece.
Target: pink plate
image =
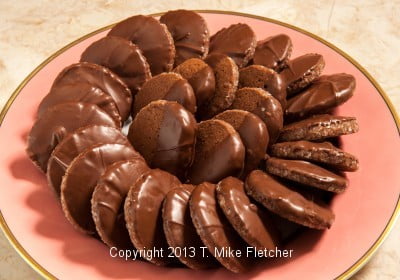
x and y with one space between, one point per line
35 224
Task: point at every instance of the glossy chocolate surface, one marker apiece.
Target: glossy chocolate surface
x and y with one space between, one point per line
273 52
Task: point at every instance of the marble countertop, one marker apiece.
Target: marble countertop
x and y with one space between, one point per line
369 31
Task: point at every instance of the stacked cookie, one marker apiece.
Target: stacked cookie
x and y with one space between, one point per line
228 138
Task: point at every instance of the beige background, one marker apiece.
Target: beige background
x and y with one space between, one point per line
369 31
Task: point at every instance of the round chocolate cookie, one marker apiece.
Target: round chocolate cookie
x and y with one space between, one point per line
143 213
273 52
262 104
250 222
81 178
302 71
164 133
122 57
307 174
318 127
237 41
323 153
101 78
80 92
214 229
180 231
262 77
108 199
219 152
54 124
75 143
226 83
200 76
287 203
190 33
323 95
254 135
166 86
152 37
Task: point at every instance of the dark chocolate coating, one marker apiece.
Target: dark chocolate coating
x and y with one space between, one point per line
323 95
75 143
273 52
190 33
108 199
100 77
122 57
143 212
287 203
59 120
214 228
81 178
152 37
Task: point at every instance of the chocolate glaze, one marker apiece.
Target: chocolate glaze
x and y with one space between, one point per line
249 221
122 57
323 95
81 178
152 37
80 92
100 77
237 41
307 174
203 84
190 33
214 229
143 212
180 231
108 199
52 127
75 143
287 203
182 92
273 52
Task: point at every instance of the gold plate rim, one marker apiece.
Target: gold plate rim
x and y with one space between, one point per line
346 274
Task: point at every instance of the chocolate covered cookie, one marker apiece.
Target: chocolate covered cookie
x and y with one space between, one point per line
143 207
219 152
287 203
152 37
190 33
237 41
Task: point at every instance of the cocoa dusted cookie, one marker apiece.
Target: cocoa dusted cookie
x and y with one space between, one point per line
302 71
166 86
323 153
164 133
318 127
75 143
306 173
262 77
152 37
143 213
226 83
326 93
190 33
254 135
81 178
237 41
214 229
262 104
80 92
249 221
122 57
55 124
108 199
180 231
219 152
287 203
273 52
101 78
200 76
